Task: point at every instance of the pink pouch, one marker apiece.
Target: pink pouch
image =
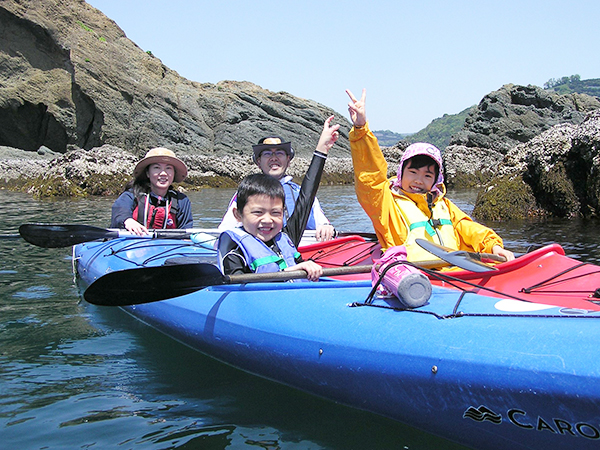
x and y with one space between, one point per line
403 281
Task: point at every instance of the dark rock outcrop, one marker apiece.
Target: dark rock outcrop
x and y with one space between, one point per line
504 119
70 78
80 104
558 172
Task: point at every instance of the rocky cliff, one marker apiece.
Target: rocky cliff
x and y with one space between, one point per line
71 79
557 173
505 118
80 103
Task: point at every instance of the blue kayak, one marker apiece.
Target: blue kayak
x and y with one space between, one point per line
486 372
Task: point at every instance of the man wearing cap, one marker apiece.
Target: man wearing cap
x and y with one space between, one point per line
149 200
273 156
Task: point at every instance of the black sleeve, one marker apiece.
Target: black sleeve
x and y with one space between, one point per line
234 263
297 222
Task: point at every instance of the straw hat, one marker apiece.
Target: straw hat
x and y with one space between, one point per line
162 155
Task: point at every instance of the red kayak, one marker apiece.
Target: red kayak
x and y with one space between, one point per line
544 276
344 251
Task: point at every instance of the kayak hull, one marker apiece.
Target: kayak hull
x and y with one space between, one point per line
482 371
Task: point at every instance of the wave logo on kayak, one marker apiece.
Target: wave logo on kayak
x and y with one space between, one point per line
522 420
482 414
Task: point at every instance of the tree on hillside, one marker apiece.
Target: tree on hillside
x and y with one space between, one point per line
554 82
574 84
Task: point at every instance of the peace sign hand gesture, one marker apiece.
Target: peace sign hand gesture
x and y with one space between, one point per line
356 108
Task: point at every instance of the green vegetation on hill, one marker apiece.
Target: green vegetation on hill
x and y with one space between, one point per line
574 83
440 130
387 138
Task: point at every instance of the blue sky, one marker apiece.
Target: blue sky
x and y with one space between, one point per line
418 60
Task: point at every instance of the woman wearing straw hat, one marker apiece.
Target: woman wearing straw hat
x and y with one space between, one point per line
149 200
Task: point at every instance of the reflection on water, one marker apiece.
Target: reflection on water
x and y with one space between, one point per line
73 375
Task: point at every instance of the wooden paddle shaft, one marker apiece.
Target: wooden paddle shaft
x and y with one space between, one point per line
293 274
327 272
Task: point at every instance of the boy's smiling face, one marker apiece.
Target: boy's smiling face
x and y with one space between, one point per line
262 216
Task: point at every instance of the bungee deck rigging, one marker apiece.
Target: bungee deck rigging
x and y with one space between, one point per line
579 282
456 283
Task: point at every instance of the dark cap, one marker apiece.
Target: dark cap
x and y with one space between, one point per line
270 142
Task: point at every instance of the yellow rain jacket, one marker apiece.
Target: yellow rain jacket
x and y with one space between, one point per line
378 199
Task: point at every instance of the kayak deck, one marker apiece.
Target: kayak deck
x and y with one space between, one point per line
486 371
544 276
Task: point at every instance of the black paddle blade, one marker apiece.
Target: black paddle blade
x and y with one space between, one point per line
458 258
151 284
56 236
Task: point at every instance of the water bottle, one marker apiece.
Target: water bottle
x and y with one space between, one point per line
404 281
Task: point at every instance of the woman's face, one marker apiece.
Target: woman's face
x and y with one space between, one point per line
161 176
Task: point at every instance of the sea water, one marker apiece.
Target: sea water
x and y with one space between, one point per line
78 376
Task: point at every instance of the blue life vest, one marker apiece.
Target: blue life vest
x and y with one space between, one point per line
292 191
259 257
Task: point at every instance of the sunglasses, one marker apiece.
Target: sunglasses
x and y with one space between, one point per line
269 153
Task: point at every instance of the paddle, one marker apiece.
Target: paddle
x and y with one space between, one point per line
151 284
65 235
472 261
10 236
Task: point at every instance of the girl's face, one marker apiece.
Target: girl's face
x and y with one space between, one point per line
418 181
262 216
161 176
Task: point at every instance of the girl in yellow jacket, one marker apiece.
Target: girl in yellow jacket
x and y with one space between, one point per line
413 204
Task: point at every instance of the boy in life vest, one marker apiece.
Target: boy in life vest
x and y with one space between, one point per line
413 204
262 243
149 201
273 157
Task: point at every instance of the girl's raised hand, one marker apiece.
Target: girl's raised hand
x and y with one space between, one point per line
356 108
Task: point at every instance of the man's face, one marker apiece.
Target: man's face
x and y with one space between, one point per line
274 162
